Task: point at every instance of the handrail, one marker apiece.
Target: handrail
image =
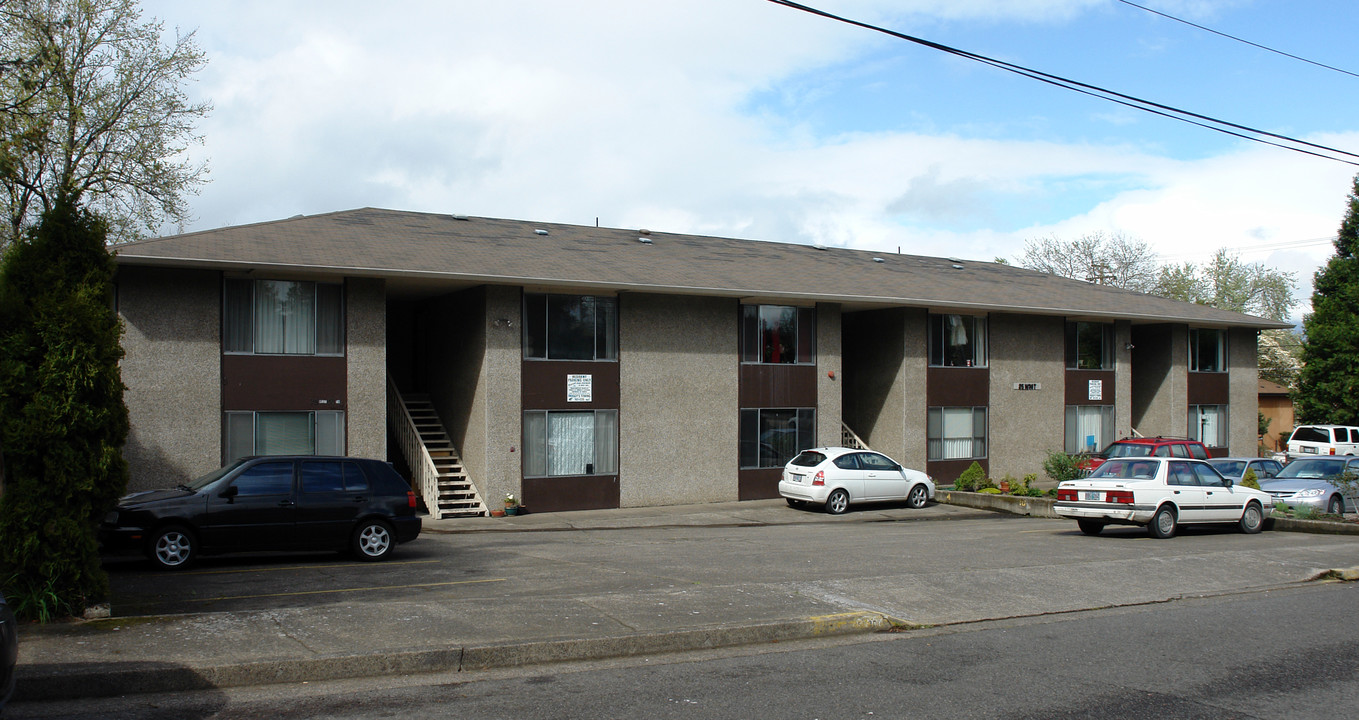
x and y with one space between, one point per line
851 439
426 476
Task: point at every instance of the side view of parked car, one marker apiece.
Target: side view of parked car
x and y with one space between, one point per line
1161 494
1234 468
269 503
838 477
1316 483
1146 447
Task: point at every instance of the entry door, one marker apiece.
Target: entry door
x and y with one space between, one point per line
256 511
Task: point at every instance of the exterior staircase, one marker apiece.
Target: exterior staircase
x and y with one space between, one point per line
439 475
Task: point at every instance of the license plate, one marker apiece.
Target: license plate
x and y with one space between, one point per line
1095 496
1309 450
795 477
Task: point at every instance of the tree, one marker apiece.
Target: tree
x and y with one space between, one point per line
1229 284
1278 356
62 418
108 125
1328 385
1106 259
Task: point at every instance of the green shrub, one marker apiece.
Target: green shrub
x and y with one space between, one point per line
990 490
973 478
1062 466
62 418
1250 480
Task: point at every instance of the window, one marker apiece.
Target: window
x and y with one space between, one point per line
957 341
770 438
332 476
1089 427
570 443
778 334
570 327
1207 350
956 433
281 317
270 478
1208 424
1089 346
284 433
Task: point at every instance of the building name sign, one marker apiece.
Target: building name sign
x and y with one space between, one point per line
580 388
1028 386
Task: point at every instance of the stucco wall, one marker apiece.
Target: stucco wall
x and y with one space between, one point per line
172 371
1243 387
678 408
1025 425
366 360
829 374
1160 379
498 405
1123 385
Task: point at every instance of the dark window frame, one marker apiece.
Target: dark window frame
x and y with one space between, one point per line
974 352
549 336
762 449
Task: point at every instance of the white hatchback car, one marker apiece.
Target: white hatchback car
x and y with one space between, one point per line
838 477
1160 493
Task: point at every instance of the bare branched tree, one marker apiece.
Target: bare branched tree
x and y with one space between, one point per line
1104 258
105 122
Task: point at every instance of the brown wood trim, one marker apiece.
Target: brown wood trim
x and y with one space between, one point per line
945 472
758 484
957 387
544 384
1078 387
561 494
777 386
284 383
1208 388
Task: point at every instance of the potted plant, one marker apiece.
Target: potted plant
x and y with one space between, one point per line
511 505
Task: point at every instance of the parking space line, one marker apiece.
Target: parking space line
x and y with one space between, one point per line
302 567
344 590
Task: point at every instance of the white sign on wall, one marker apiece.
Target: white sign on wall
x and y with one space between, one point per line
580 388
1096 390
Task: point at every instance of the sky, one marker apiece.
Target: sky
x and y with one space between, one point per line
743 118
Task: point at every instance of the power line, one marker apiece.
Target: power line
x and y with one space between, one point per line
1240 40
1204 121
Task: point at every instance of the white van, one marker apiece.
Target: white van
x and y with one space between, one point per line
1312 440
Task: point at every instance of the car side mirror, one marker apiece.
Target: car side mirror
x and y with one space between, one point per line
1227 482
229 493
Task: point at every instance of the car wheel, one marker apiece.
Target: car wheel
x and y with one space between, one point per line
1252 519
917 497
837 503
172 548
1335 505
1162 524
1090 527
373 540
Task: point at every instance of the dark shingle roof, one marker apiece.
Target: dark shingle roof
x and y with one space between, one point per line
408 247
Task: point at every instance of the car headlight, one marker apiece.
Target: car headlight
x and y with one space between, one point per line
1311 493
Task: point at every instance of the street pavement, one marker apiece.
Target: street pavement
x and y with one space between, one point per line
501 592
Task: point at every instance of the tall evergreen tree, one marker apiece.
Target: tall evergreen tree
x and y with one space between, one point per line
62 418
1328 386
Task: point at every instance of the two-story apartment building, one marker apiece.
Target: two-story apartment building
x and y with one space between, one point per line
583 367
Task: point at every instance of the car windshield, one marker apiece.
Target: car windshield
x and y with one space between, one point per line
1312 469
1126 469
1229 467
808 458
1307 433
211 477
1121 449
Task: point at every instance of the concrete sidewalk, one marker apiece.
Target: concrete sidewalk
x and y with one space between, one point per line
551 608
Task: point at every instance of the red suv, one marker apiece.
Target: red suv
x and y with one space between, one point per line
1147 447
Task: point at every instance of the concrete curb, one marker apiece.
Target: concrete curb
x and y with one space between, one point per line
1321 527
1013 504
76 681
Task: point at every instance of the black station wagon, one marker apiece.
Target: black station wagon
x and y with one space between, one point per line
269 503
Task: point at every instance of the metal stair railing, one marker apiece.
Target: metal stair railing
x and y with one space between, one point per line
851 439
425 474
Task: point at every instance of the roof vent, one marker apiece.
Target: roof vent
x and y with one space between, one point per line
878 260
646 240
540 231
956 266
644 231
460 217
955 260
820 247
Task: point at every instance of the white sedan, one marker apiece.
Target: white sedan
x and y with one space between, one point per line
1160 493
836 477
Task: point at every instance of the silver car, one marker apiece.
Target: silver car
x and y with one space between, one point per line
1316 483
1234 468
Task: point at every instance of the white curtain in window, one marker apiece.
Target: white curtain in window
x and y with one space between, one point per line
1088 427
570 442
606 442
285 317
329 319
1209 424
957 433
329 433
240 435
